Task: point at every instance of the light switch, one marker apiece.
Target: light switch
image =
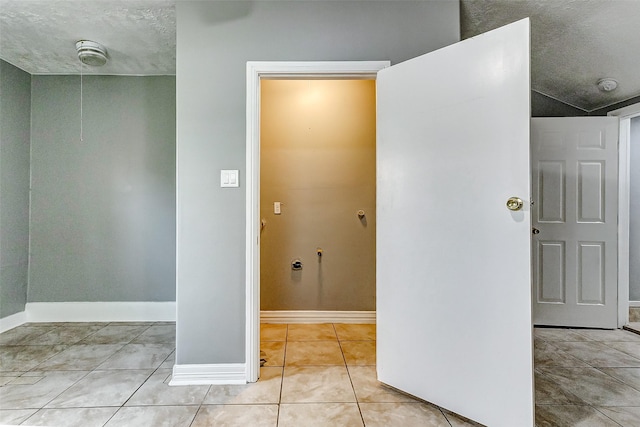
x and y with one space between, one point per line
276 208
229 178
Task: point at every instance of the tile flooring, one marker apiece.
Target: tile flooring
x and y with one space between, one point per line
117 374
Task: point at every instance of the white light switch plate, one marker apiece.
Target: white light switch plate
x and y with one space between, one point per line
229 178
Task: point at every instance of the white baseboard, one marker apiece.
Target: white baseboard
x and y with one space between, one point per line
219 374
315 316
634 303
125 311
12 321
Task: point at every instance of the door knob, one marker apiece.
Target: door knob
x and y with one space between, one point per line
535 230
514 203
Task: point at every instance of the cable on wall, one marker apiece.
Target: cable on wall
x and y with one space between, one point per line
93 54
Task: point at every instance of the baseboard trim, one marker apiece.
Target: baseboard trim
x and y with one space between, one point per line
12 321
634 303
315 316
217 374
124 311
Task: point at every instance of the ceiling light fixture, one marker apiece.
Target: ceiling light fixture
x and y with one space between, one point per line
91 53
607 84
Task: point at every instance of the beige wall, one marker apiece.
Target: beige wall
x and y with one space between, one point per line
318 159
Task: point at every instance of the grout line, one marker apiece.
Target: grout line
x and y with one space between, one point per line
355 395
195 415
605 415
286 340
444 415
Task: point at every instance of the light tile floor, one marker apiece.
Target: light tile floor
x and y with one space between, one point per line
117 374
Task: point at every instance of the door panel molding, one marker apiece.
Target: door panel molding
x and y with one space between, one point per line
587 146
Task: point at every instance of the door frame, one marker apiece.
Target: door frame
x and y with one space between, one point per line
257 70
625 115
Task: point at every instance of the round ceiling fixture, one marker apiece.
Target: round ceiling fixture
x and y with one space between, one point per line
607 84
91 53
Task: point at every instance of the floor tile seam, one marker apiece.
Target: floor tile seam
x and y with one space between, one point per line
112 415
228 404
115 324
608 344
151 405
626 352
72 370
34 345
571 404
561 387
282 379
302 402
195 415
594 407
353 388
140 386
67 388
314 366
622 352
444 415
618 379
606 416
578 331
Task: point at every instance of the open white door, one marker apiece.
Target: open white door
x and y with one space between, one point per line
574 162
453 263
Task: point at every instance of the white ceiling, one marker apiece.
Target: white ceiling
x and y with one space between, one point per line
39 36
574 42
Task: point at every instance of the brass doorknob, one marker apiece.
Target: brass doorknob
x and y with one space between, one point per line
514 203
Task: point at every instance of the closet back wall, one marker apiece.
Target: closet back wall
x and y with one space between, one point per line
318 159
103 209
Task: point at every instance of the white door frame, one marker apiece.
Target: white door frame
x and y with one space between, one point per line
257 70
625 115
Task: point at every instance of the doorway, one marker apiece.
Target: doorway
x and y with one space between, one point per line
256 72
634 215
317 197
627 138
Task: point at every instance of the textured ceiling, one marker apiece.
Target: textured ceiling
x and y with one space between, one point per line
574 42
39 36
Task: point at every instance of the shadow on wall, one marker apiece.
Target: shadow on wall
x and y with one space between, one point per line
224 11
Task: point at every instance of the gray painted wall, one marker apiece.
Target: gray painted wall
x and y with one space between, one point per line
103 209
15 114
634 214
604 111
214 41
545 106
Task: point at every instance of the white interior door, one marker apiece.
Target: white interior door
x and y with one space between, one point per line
453 263
574 164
